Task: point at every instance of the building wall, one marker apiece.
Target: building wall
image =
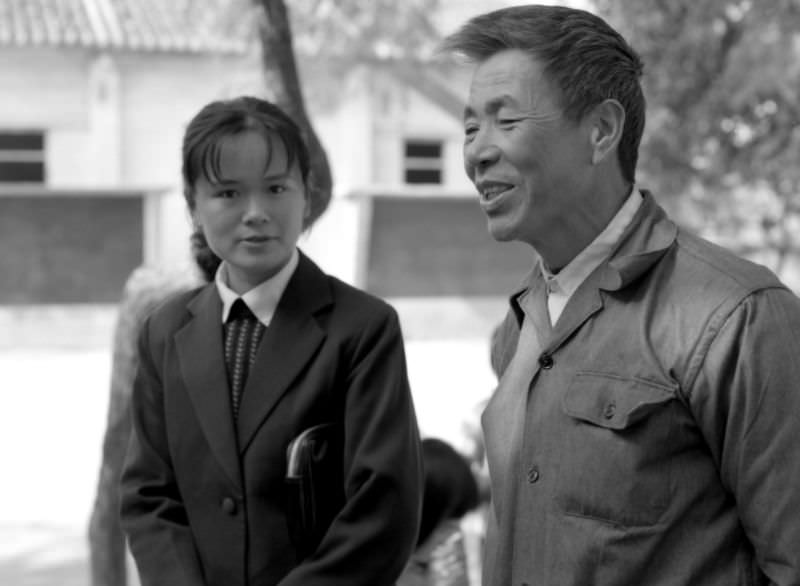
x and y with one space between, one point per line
364 137
47 90
399 112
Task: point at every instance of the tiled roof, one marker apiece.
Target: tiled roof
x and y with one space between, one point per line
182 26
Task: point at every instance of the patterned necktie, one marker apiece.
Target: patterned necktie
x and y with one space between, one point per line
242 333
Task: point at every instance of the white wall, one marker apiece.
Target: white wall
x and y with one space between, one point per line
400 113
346 134
47 90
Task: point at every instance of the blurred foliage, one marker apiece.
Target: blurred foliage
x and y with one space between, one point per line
333 37
722 79
365 30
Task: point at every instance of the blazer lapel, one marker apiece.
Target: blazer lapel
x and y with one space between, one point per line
202 366
288 344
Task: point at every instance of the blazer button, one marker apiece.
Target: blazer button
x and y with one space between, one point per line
546 361
533 474
229 505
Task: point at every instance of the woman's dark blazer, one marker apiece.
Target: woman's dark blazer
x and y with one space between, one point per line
203 498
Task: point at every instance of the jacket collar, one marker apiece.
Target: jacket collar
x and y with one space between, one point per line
285 348
645 240
648 237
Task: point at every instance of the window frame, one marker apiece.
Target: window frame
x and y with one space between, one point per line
24 161
423 164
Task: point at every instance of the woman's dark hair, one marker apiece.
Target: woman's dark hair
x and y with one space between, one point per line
451 490
221 119
586 60
202 151
203 256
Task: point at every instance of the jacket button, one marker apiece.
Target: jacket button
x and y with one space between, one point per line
229 505
533 474
546 361
610 410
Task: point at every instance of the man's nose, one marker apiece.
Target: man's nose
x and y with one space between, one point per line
481 153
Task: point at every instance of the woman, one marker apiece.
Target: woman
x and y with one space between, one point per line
231 372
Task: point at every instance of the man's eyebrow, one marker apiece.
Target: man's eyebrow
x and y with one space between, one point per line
492 106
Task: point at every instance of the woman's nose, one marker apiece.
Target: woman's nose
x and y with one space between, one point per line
256 210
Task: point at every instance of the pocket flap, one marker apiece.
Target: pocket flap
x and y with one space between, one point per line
611 401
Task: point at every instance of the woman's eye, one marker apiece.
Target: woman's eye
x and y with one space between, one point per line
227 193
277 188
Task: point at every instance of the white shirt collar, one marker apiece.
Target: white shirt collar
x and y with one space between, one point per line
263 298
568 279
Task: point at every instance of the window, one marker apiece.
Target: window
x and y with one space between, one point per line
423 162
21 157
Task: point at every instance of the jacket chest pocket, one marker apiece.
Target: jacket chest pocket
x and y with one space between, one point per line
617 449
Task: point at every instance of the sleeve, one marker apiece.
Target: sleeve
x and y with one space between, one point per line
152 512
370 541
747 395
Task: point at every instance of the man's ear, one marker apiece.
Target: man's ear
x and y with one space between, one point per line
608 120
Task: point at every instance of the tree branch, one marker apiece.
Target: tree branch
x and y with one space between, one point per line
282 81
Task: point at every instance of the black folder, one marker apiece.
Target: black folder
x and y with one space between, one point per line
314 484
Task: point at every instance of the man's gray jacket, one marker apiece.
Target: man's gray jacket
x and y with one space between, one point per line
661 441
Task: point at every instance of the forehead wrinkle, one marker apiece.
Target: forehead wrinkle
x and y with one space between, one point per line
534 106
539 109
519 84
532 99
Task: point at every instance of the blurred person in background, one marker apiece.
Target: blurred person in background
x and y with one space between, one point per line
450 493
646 425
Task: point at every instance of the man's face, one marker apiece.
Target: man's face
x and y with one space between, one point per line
527 161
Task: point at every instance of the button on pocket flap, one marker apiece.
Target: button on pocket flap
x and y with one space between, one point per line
611 401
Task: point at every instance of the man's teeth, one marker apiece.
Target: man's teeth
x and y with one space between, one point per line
492 191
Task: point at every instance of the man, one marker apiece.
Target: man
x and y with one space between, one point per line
652 436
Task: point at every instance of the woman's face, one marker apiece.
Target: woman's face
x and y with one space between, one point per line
253 212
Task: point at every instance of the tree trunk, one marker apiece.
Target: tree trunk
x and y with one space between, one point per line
145 289
283 84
